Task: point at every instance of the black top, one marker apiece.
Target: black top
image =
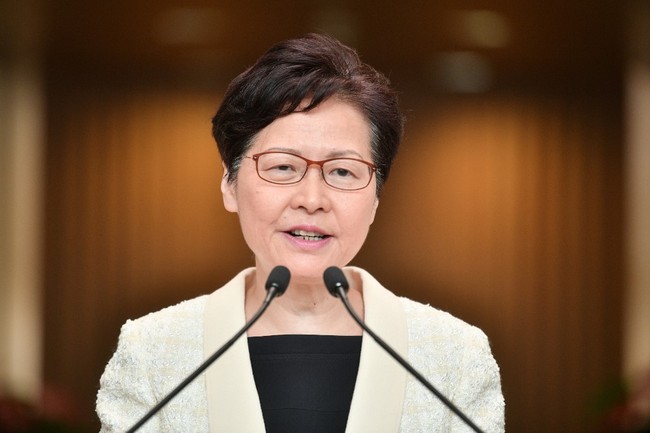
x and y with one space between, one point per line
305 382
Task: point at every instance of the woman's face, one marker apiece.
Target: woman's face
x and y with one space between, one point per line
307 226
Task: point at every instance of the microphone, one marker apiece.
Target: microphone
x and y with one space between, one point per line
276 285
338 286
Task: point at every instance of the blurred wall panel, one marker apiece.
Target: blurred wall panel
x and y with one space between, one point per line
21 170
637 177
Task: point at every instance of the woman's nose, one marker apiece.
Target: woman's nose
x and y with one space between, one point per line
312 193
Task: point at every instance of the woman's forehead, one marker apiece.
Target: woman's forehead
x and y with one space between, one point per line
334 127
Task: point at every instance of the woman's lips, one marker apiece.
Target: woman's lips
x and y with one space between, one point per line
308 238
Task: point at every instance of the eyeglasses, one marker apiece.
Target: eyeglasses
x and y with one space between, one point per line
283 168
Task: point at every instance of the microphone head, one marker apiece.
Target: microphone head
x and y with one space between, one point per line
334 279
278 279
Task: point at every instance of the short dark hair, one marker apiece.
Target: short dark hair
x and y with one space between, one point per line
317 67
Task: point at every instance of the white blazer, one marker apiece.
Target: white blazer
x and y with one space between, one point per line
157 351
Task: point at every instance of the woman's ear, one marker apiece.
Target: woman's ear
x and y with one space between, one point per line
374 210
228 191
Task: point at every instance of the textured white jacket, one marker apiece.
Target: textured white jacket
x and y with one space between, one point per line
156 352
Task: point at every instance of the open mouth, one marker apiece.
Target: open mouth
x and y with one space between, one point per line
307 236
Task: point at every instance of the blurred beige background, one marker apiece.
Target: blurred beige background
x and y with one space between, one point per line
519 202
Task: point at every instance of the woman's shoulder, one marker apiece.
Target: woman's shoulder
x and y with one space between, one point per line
184 318
426 322
422 319
441 344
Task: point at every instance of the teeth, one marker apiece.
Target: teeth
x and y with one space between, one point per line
310 236
305 233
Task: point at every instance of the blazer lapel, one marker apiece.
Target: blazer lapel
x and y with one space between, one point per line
233 403
381 381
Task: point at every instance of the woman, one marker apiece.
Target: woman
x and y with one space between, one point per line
307 136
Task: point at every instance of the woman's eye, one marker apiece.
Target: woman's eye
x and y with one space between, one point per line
283 167
341 172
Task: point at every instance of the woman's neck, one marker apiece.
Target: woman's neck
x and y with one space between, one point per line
305 308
